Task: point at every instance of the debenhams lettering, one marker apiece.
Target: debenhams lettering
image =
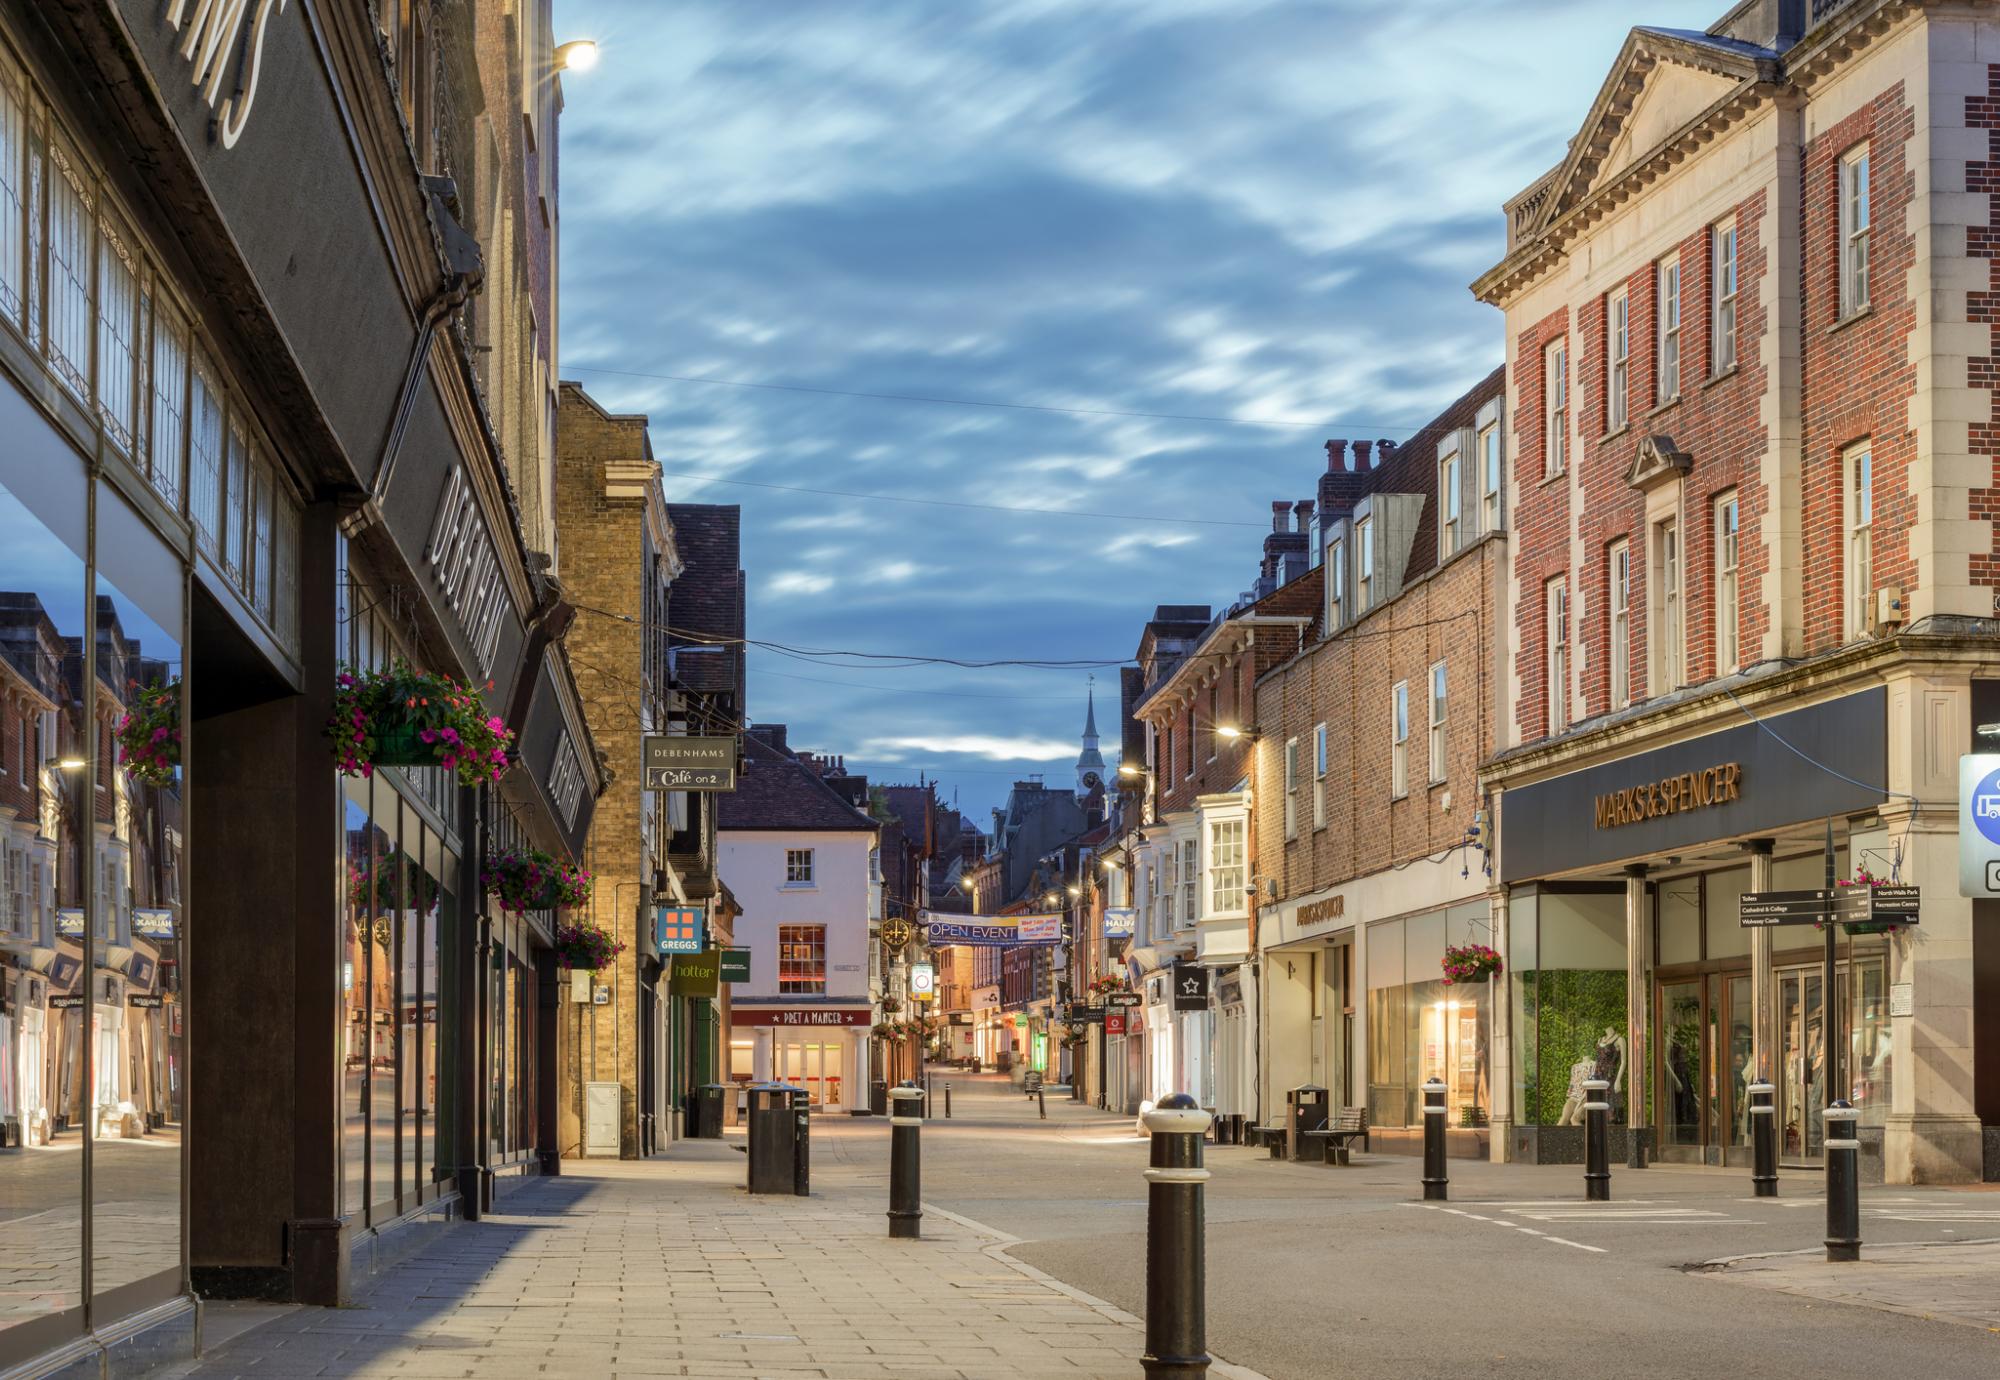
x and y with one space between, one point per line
214 37
1691 790
462 559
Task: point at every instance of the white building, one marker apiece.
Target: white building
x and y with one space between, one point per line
796 857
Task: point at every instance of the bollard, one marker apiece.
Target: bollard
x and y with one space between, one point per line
1041 1104
906 1207
947 1102
1843 1183
1764 1140
1597 1141
1434 1175
1176 1273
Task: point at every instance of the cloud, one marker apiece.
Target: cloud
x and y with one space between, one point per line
1257 209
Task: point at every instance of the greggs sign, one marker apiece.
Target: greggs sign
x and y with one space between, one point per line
1690 790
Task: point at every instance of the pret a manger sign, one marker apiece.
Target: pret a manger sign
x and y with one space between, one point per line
1688 790
216 36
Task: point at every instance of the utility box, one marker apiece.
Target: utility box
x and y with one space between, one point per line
603 1119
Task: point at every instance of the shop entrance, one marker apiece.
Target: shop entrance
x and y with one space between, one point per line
1704 1068
814 1067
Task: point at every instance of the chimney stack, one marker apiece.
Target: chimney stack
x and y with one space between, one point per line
1302 515
1336 456
1281 513
1385 451
1362 461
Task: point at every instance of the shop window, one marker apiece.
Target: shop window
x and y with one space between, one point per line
1420 1027
1567 981
802 960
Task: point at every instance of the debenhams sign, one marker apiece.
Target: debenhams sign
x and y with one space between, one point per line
1689 790
218 36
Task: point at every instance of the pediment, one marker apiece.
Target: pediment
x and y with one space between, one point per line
1658 461
1662 81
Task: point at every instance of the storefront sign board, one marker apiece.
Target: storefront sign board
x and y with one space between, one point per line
1120 922
673 763
153 924
1114 1022
829 1016
1759 908
680 930
1191 986
923 982
1124 999
1777 780
735 965
145 1001
696 975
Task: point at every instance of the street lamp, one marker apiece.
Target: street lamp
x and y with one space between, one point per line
1127 769
1234 731
66 763
578 55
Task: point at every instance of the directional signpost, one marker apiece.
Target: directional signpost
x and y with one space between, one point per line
1852 905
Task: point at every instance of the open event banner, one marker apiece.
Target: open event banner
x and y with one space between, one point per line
1003 930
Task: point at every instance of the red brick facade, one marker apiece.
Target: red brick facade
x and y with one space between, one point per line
1541 516
1983 112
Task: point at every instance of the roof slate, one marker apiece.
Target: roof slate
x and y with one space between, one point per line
776 791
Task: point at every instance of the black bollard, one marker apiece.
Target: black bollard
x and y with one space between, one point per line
1597 1141
906 1207
1764 1140
1176 1271
1434 1175
1041 1104
1843 1183
947 1102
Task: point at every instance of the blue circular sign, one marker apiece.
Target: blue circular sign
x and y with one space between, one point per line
1986 807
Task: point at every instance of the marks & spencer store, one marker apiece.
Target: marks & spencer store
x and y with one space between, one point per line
248 1029
1627 958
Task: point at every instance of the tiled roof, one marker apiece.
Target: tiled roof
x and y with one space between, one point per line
707 599
776 791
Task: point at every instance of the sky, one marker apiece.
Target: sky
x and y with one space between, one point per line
1265 214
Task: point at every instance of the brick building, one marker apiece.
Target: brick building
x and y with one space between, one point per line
1366 779
1753 583
1189 870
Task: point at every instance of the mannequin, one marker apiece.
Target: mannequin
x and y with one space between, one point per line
1572 1112
1610 1066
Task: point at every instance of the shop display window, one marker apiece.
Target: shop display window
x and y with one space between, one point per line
1421 1027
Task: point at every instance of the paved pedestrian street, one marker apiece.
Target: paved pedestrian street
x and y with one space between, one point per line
1032 1264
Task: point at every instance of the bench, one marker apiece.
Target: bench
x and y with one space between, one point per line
1349 1125
1272 1138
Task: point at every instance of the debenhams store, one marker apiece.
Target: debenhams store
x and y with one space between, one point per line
1623 863
244 1046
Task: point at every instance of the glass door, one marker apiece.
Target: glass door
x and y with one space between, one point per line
1802 1064
1737 1023
1683 1071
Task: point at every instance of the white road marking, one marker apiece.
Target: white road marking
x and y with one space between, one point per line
1620 1213
1941 1214
1492 1221
1599 1250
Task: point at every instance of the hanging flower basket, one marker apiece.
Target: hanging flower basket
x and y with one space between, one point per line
149 733
1104 986
1863 877
583 947
1469 963
528 879
402 717
882 1030
1873 927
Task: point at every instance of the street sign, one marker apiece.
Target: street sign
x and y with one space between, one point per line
1979 824
1124 999
1856 905
679 930
673 763
1082 1013
1785 907
735 965
923 982
1190 987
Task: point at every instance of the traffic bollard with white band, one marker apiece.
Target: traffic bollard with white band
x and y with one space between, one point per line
1843 1183
947 1102
1434 1175
1176 1273
1764 1140
1597 1141
906 1208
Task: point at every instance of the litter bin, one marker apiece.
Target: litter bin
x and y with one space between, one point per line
1305 1110
878 1098
801 1143
773 1139
708 1111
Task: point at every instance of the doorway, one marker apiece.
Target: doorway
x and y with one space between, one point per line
1702 1067
816 1068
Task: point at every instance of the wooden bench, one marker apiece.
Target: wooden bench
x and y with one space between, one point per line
1272 1138
1350 1124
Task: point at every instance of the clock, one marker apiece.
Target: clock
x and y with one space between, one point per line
1091 780
897 933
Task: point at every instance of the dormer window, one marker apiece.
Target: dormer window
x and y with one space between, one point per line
1336 582
1364 542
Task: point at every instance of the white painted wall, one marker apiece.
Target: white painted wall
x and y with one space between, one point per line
752 863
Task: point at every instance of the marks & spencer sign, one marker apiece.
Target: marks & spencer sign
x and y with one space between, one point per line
222 44
1743 779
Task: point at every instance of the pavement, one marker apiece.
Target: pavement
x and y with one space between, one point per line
1033 1264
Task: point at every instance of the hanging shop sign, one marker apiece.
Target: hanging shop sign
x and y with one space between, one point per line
68 1003
1120 922
1979 825
69 924
1083 1013
1191 987
680 930
672 763
1752 777
845 1015
983 997
1114 1022
1008 931
696 975
735 965
923 982
152 924
1124 999
145 1001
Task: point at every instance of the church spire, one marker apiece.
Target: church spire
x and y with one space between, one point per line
1090 762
